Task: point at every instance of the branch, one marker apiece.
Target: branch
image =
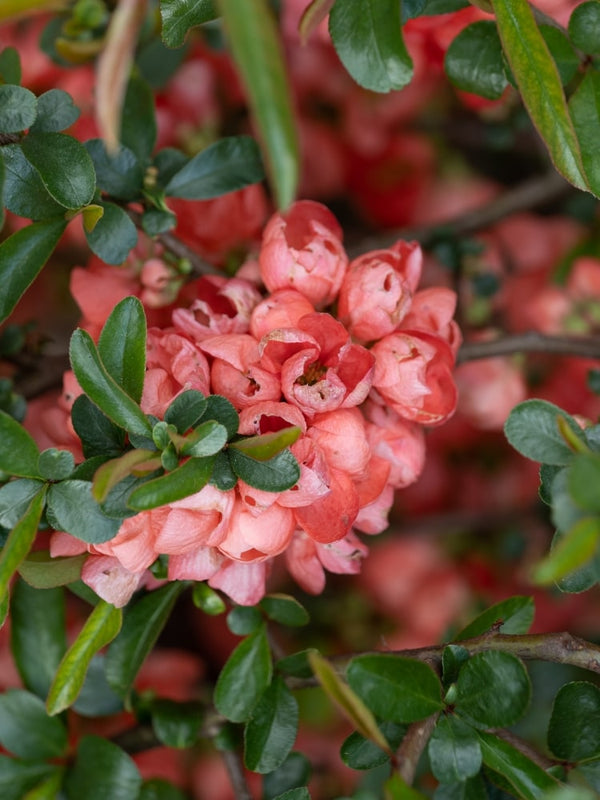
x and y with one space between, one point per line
233 762
530 342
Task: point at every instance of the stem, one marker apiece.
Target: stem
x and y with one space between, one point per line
233 762
531 342
412 747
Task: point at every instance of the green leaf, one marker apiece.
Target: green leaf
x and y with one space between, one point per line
514 615
100 628
22 256
529 781
120 175
396 788
38 626
186 409
453 657
10 65
113 236
220 409
244 677
138 123
298 664
156 221
271 731
223 477
43 572
17 777
367 36
102 770
101 388
561 50
569 552
158 63
454 750
55 112
177 724
49 788
284 609
532 429
96 698
64 166
207 600
26 730
347 701
19 453
360 753
256 50
493 689
584 106
158 789
20 540
207 440
15 497
56 465
471 789
122 346
225 166
574 728
182 482
267 445
293 774
99 436
275 475
242 620
539 84
178 16
142 625
115 470
584 27
18 108
300 793
24 192
72 508
395 688
474 62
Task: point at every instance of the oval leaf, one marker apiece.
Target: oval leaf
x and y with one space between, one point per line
474 62
64 166
207 440
122 346
187 479
19 454
454 750
249 666
120 175
42 571
113 236
529 781
275 475
532 429
514 615
18 108
271 731
71 508
25 728
574 728
584 106
55 112
24 191
102 770
20 540
284 609
178 16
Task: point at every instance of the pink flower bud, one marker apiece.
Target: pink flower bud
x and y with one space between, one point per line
282 309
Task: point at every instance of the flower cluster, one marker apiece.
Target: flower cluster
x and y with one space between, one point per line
352 353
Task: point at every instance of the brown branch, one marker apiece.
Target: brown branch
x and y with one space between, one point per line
530 194
412 747
235 769
530 342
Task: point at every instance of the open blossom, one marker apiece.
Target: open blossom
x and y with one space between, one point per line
302 249
222 306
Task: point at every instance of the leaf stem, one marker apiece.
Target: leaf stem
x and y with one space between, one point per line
530 342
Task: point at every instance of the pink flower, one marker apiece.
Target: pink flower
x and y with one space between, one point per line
432 310
413 374
180 358
302 249
282 309
342 437
400 443
223 306
307 560
269 417
489 389
331 516
257 533
377 290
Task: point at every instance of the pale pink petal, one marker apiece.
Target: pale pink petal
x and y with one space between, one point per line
304 565
110 579
197 565
244 583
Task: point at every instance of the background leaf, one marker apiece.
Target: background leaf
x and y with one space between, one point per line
119 174
515 615
474 62
114 235
178 16
20 540
271 730
574 728
18 108
19 454
532 429
26 730
244 677
102 770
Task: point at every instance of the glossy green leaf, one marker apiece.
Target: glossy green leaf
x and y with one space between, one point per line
563 53
120 175
96 698
64 166
100 628
101 388
225 166
20 540
256 50
243 620
453 657
186 409
267 445
178 16
569 552
99 436
532 429
115 470
244 677
38 626
17 777
539 84
102 770
177 724
347 700
138 122
220 409
275 475
207 600
360 753
19 453
113 236
395 688
284 609
55 465
15 497
55 112
271 730
72 508
574 728
514 615
122 346
474 62
584 106
223 477
142 624
22 256
584 27
26 730
493 690
206 440
156 221
41 571
367 36
454 750
187 479
18 108
24 192
528 780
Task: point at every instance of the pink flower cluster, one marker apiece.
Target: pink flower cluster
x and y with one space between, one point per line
350 352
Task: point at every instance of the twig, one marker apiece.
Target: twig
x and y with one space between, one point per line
233 762
412 747
530 342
